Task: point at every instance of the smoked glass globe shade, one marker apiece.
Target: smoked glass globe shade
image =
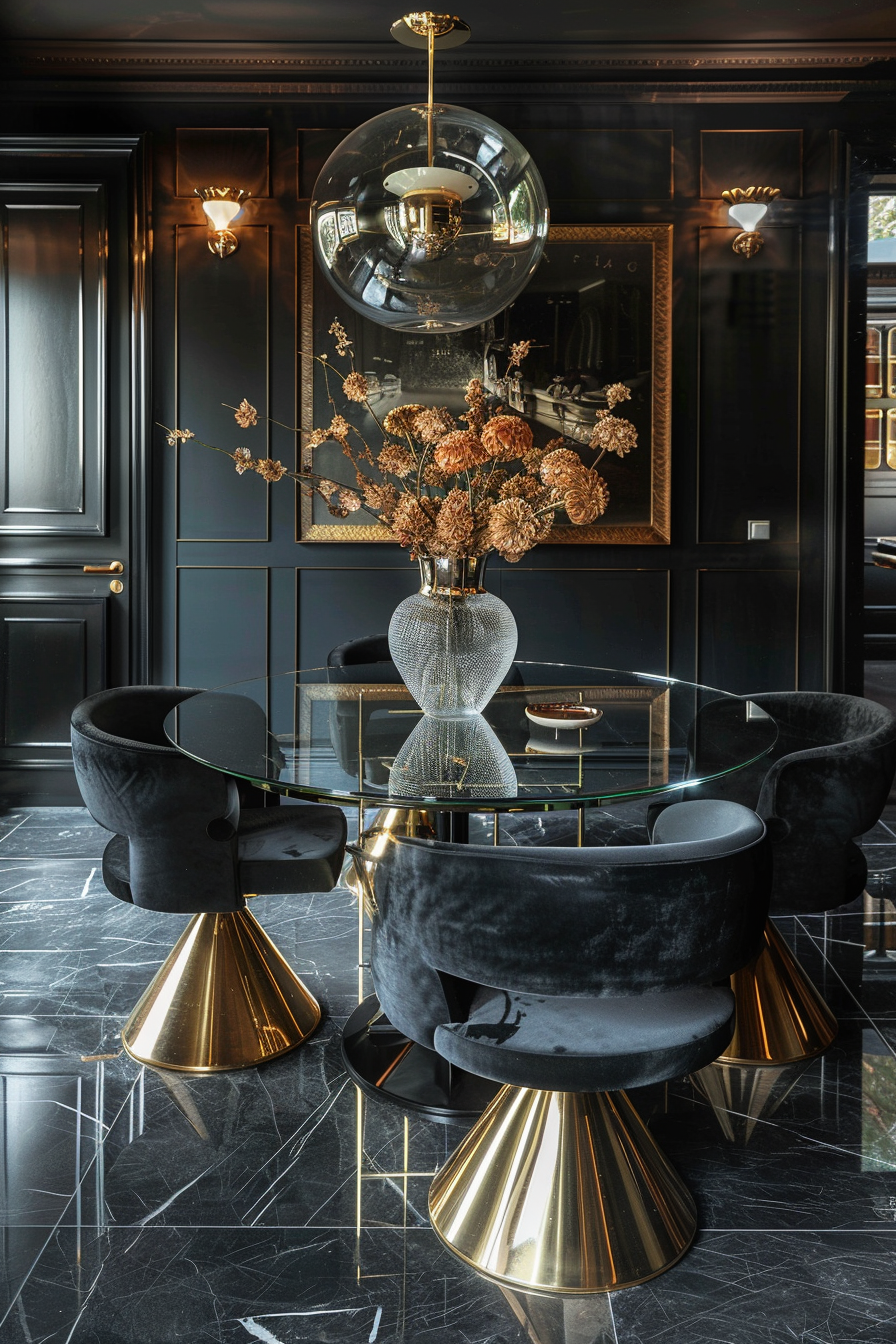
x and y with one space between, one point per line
429 241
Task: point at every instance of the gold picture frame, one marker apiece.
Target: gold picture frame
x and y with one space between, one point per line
597 310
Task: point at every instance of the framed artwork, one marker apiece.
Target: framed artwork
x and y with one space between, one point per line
597 311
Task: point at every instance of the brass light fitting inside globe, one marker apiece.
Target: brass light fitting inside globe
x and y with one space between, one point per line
429 214
747 206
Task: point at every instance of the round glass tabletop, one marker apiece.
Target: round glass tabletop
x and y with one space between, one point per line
554 736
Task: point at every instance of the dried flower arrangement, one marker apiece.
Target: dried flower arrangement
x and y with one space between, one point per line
448 489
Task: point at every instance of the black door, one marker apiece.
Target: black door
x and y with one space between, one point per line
72 417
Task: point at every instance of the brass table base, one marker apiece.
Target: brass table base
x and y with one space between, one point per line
223 999
562 1192
781 1017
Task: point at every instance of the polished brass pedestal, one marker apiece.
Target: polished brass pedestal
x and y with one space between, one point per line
562 1192
223 999
781 1017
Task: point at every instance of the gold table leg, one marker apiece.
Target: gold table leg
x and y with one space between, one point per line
562 1192
781 1017
223 999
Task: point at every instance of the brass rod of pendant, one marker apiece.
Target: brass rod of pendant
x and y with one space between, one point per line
431 57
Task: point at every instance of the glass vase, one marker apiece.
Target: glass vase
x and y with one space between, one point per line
452 758
452 642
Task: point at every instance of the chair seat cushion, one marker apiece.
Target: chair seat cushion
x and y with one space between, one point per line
290 849
589 1045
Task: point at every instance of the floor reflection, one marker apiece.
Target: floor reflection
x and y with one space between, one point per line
140 1206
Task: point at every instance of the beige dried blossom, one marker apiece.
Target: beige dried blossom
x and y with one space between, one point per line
545 525
400 420
507 437
339 428
533 459
512 528
617 392
585 496
454 526
343 344
349 500
411 523
269 469
244 460
433 423
176 435
460 451
245 414
381 498
474 396
433 475
394 459
316 437
558 464
518 353
521 487
355 387
327 488
614 435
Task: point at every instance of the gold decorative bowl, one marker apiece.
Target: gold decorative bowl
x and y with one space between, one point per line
563 715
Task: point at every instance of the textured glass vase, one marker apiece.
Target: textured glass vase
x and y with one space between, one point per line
452 758
452 642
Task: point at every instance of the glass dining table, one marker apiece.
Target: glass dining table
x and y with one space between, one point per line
556 738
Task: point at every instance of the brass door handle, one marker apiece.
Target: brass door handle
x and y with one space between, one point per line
113 567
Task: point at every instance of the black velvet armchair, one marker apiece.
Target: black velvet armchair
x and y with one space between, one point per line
569 975
824 784
183 844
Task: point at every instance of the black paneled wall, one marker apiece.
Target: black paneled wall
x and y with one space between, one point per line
749 370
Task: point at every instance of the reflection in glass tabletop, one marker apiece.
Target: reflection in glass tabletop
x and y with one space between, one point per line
554 736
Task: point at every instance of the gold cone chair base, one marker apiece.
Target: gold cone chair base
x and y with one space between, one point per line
562 1192
223 999
742 1096
781 1017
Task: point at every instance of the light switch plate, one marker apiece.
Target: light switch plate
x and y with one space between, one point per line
758 529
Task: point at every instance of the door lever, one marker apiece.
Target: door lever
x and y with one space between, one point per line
113 567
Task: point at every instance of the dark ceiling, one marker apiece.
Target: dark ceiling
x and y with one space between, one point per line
495 21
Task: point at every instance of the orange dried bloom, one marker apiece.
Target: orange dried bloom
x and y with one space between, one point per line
454 526
512 528
244 460
585 496
507 437
394 459
459 451
557 465
411 524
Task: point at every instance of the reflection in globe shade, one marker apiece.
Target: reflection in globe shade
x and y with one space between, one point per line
437 246
452 758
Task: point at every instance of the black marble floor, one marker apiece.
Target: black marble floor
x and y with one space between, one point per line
277 1205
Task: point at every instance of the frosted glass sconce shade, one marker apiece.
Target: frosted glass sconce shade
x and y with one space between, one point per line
747 207
221 205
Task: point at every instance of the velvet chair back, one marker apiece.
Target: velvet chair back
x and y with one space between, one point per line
824 783
180 818
566 922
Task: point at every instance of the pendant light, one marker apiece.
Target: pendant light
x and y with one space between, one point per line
429 217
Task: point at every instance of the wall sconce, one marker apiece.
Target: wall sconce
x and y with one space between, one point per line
746 208
221 205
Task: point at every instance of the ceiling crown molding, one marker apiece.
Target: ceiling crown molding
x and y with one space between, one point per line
555 62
